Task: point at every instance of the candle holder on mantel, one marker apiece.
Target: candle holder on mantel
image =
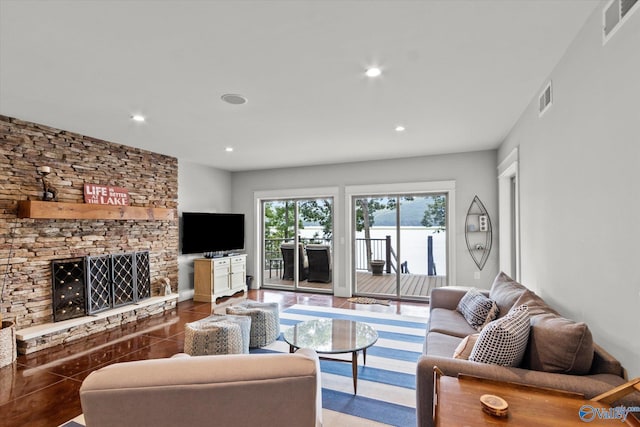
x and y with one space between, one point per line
49 192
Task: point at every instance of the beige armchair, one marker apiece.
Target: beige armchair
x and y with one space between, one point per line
267 390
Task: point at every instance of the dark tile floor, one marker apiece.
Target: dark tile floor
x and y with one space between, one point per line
41 389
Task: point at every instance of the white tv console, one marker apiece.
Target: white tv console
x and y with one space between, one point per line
219 277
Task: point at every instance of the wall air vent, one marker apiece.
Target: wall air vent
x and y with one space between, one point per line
545 100
615 13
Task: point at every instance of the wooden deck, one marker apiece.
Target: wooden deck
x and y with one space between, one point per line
411 285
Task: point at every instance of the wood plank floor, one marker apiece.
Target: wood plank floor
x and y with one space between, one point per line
41 389
411 285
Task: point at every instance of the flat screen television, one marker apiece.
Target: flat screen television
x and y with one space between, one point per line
212 232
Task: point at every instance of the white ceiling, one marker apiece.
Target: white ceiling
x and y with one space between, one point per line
456 74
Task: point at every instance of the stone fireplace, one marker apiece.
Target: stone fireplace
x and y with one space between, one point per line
30 247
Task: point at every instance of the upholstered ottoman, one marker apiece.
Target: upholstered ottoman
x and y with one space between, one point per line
217 335
265 321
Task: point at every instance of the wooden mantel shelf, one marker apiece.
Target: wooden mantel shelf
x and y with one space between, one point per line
36 209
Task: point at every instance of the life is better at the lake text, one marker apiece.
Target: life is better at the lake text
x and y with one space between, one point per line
105 195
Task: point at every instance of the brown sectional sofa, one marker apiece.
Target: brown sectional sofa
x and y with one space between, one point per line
560 353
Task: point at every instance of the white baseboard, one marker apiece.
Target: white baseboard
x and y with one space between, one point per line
185 295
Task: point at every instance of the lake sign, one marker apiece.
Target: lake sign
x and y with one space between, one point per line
105 195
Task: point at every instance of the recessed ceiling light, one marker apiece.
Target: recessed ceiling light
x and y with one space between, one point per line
373 72
232 98
400 128
138 118
228 149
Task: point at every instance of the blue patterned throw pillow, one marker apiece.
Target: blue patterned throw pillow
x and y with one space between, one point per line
504 341
477 309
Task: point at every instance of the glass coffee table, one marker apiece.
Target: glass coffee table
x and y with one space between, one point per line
333 336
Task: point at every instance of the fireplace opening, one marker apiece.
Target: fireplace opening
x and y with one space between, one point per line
68 289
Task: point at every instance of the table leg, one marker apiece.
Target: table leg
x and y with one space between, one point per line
364 356
291 348
354 369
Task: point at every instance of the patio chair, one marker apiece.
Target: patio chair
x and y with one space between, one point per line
319 263
287 258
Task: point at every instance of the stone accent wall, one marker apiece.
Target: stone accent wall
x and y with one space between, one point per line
28 246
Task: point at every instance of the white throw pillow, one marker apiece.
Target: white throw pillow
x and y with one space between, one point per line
504 341
463 351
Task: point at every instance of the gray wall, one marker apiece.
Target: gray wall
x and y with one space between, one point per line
200 189
579 188
474 173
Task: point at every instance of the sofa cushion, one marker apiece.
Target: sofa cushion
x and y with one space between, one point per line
559 345
441 345
463 351
534 302
505 291
503 341
449 322
477 309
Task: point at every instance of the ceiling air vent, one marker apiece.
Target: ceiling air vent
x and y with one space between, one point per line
545 100
614 15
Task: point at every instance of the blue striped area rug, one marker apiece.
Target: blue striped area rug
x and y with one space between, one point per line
386 384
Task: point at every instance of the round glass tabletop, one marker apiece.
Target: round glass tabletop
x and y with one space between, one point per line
331 335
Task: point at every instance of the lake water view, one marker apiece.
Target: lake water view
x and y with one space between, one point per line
413 241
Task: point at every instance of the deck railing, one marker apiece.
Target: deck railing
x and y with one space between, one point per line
380 250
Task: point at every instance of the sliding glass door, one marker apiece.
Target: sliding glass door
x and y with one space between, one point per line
400 244
297 244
